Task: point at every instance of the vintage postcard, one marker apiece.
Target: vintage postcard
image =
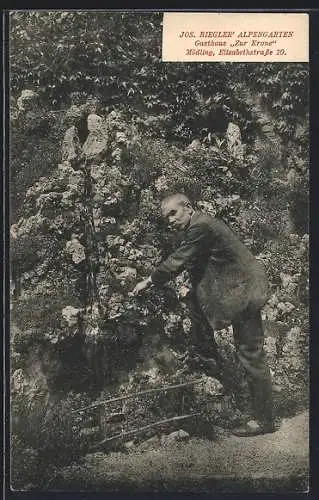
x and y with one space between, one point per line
159 251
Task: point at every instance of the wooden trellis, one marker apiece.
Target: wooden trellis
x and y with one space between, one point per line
137 395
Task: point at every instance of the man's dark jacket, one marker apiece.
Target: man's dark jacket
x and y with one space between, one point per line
226 276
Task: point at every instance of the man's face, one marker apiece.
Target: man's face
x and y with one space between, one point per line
177 214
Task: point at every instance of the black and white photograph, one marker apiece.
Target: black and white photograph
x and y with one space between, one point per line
159 262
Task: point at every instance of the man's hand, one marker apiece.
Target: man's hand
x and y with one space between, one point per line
142 285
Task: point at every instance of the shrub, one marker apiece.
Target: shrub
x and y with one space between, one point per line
45 435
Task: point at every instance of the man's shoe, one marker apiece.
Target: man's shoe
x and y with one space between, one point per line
252 428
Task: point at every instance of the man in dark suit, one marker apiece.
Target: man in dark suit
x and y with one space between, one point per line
229 288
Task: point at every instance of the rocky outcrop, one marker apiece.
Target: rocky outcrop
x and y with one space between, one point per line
90 230
27 101
97 141
71 145
234 142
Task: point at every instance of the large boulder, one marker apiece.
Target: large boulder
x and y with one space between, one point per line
71 315
76 250
97 141
71 146
234 141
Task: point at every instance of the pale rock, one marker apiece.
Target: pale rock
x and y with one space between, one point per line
48 199
289 283
305 238
113 241
195 144
114 115
14 231
152 374
117 154
48 184
209 386
285 307
120 138
183 291
234 142
108 223
252 424
234 198
97 140
294 332
76 250
33 223
27 100
71 315
94 122
176 436
35 189
18 381
187 325
71 147
270 346
129 445
294 238
114 200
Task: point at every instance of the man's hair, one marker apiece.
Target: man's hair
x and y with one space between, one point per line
180 198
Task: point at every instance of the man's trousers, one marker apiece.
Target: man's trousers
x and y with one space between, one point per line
249 341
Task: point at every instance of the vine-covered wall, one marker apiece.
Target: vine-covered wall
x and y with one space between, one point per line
91 157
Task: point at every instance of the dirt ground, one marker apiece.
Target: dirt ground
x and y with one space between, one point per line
269 463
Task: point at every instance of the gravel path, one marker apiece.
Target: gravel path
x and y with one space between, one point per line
269 463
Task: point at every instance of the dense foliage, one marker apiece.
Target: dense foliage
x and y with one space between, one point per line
86 225
118 58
